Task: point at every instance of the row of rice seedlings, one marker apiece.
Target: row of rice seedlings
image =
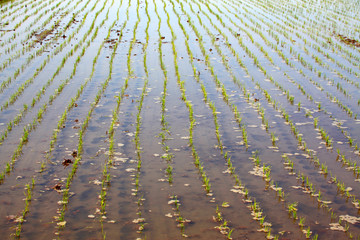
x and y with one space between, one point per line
310 189
338 85
223 227
165 129
343 189
352 142
265 121
7 10
181 221
38 15
301 88
61 216
29 81
319 105
39 4
258 214
198 164
239 188
220 85
179 218
322 165
50 43
326 40
272 134
6 83
72 104
41 92
28 196
334 99
306 184
130 71
264 171
289 97
55 132
60 124
27 46
273 137
106 175
140 221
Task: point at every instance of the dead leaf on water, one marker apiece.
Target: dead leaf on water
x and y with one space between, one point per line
61 224
139 220
336 227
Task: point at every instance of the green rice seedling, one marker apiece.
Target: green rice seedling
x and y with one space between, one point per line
351 141
218 217
301 222
292 209
324 169
8 168
267 171
273 138
316 122
229 234
308 233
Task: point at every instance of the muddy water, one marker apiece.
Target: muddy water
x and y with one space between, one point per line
249 55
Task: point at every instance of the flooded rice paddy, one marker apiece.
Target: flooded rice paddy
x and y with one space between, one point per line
171 119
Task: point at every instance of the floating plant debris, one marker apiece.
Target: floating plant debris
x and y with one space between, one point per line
67 162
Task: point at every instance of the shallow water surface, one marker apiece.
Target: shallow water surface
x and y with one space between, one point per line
168 119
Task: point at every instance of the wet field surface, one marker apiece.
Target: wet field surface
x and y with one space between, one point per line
169 119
